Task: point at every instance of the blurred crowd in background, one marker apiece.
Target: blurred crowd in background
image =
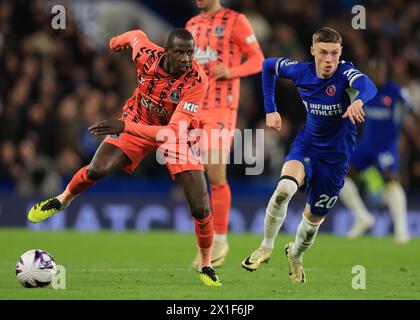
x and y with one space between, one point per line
55 83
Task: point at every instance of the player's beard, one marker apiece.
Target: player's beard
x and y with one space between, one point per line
184 67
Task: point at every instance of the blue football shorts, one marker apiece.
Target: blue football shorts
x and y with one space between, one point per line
323 181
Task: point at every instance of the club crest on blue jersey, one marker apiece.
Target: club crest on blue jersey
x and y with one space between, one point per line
331 90
219 30
174 96
387 101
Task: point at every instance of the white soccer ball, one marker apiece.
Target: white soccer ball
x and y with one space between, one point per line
35 268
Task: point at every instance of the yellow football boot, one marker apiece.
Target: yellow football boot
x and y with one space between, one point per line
45 209
209 277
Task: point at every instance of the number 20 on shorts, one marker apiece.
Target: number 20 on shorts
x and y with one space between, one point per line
326 201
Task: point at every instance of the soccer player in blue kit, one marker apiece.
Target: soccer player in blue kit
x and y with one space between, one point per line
333 93
378 146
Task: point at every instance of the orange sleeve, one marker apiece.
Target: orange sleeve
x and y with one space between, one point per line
245 38
135 38
184 114
187 25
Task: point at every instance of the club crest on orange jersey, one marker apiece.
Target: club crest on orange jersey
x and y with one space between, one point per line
331 90
175 96
219 30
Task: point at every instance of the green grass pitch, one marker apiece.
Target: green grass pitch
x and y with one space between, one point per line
155 265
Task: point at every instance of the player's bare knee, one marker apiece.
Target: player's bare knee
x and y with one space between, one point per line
312 218
391 178
94 173
216 176
200 212
217 181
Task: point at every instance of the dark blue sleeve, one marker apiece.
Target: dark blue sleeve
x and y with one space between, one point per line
365 86
269 83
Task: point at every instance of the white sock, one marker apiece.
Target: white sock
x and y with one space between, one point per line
60 198
395 199
350 196
305 237
66 197
220 237
276 210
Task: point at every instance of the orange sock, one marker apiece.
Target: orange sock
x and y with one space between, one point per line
204 232
221 198
80 182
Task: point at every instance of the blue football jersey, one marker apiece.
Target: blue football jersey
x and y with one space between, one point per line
330 137
384 114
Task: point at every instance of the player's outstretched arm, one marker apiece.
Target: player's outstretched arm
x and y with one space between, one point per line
273 119
178 126
126 40
111 126
367 91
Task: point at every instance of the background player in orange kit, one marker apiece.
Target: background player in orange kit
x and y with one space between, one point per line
222 37
170 88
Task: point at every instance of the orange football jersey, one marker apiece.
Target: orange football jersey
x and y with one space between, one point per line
224 37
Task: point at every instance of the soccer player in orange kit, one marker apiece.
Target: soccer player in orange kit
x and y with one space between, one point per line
169 91
222 37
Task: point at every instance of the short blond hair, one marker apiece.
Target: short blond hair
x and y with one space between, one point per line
327 34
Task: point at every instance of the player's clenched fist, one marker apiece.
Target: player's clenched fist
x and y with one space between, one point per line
273 120
221 72
116 45
355 112
112 126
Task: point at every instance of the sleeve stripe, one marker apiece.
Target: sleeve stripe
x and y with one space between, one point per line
276 66
355 77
